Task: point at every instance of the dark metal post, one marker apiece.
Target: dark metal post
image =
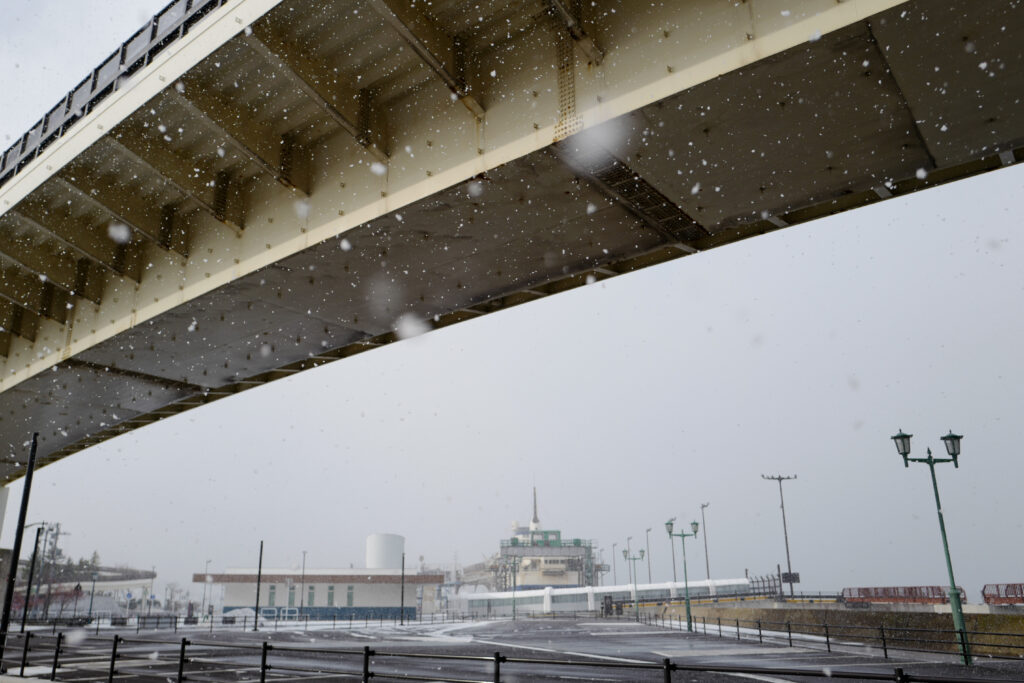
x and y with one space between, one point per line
737 629
263 662
789 632
885 647
113 660
366 663
497 667
92 593
828 643
402 596
24 652
182 660
19 532
259 579
666 667
31 571
56 656
760 639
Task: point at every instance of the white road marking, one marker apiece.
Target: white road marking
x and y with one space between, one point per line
756 677
563 652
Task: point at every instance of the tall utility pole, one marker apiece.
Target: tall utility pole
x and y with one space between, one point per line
789 566
629 551
55 538
649 580
31 571
19 534
259 580
704 523
302 584
401 595
615 571
206 582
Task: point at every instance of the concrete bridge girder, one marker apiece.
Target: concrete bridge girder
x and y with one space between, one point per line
311 198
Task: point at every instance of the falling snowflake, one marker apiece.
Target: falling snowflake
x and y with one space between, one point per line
409 326
119 232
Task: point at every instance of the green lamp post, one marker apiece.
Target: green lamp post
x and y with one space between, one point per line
636 593
952 442
686 581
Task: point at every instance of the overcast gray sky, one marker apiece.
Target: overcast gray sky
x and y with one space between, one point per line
626 402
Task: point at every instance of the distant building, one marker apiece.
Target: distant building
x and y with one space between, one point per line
538 558
593 598
371 592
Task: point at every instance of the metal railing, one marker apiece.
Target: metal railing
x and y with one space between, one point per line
117 655
990 644
166 26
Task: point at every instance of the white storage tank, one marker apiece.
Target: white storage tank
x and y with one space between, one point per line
384 551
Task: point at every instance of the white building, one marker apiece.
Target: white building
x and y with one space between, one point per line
552 600
375 591
534 557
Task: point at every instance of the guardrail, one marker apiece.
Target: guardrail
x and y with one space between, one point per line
185 659
992 644
166 26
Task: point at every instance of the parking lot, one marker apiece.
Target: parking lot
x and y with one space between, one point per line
530 650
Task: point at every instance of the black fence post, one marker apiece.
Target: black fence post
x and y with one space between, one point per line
666 667
719 627
705 625
828 643
263 662
56 656
24 652
498 659
367 652
737 629
885 648
182 660
175 624
789 633
760 639
113 660
245 619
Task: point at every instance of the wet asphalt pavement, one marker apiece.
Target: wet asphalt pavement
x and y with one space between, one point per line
599 650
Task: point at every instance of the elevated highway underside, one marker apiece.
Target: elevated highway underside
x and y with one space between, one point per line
276 188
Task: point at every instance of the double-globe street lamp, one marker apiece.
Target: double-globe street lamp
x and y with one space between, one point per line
952 442
686 581
636 593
